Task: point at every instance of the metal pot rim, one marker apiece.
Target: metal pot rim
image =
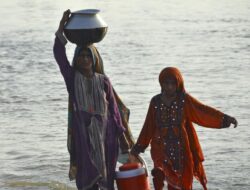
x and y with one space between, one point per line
87 11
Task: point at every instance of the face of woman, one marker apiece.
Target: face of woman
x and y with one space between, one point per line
170 87
84 60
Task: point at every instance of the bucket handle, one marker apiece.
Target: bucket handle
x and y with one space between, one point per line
144 164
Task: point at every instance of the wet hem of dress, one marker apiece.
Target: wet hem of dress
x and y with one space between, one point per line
91 184
172 185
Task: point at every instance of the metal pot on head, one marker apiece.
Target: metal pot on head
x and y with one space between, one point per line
85 27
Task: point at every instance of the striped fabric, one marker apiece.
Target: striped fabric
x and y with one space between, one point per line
90 95
91 98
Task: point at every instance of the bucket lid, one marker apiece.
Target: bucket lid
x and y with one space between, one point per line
129 166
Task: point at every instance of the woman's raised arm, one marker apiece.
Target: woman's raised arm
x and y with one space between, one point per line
60 51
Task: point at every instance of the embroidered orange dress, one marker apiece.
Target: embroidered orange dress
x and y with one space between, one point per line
175 147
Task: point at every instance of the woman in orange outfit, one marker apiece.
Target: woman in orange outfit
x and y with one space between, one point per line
175 148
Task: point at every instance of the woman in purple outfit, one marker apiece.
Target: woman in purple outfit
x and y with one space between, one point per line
96 122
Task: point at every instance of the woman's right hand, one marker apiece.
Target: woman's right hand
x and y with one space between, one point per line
64 20
133 159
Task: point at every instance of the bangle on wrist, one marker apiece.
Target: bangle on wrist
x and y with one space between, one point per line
61 37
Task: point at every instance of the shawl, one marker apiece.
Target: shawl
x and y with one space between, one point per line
126 140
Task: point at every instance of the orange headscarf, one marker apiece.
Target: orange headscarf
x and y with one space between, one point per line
172 72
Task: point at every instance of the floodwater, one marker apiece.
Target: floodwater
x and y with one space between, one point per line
208 40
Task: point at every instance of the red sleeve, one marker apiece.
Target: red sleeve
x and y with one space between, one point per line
202 114
147 131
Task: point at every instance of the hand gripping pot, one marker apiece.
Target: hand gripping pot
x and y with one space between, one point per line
132 176
85 27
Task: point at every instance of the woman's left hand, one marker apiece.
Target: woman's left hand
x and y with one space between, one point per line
233 121
64 20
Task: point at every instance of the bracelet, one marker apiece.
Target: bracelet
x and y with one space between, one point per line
61 37
225 121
